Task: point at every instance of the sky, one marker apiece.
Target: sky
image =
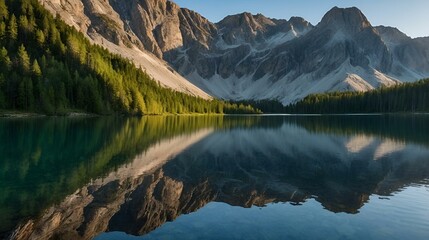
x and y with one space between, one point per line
409 16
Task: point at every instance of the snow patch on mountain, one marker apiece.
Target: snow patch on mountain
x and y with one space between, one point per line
345 78
281 38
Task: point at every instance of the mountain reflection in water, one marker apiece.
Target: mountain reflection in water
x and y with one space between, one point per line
149 171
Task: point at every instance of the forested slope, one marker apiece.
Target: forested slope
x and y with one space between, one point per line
408 97
47 66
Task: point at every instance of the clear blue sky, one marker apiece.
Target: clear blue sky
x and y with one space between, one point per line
409 16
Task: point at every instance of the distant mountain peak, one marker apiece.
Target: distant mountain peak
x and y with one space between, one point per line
244 27
246 19
351 19
392 31
300 23
391 36
298 20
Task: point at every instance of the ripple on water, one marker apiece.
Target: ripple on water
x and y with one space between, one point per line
407 209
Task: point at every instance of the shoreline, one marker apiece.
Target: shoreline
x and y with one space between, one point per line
6 114
39 115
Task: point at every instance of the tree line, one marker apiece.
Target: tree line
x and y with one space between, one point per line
406 97
47 66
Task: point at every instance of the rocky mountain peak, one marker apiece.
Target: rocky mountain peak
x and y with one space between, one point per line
249 28
300 24
392 36
350 19
246 22
163 26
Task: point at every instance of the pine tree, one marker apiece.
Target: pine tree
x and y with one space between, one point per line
60 97
11 90
25 94
27 8
5 63
139 105
35 69
2 31
23 59
24 27
40 37
13 28
2 96
4 14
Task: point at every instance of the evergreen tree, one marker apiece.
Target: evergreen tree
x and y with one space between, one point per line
40 37
25 94
2 31
35 69
2 96
13 28
4 13
23 59
11 90
24 27
5 63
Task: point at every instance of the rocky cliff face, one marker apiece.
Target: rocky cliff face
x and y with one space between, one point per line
249 56
162 26
157 26
137 30
260 58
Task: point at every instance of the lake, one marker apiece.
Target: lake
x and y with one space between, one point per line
215 177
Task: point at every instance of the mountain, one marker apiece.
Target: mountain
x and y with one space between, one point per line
343 52
49 67
247 56
129 28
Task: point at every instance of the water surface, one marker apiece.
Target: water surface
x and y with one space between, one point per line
232 177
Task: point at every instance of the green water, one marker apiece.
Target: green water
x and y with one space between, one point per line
205 177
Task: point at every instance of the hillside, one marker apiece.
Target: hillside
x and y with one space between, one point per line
408 97
47 66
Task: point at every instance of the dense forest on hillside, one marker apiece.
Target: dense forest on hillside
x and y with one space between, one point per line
47 66
408 97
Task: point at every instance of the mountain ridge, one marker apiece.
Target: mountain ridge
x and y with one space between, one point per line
247 56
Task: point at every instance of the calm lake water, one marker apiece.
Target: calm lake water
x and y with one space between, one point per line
219 177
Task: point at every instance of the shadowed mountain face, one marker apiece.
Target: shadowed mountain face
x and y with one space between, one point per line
254 161
247 56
